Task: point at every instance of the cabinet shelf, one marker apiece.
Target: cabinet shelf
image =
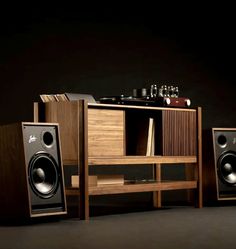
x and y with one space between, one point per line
136 187
135 160
132 160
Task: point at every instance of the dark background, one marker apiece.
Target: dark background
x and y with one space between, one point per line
109 50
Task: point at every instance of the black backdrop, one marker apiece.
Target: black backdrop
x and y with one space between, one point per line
105 50
109 50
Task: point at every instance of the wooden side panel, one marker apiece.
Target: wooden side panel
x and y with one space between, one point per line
106 132
179 136
13 176
67 115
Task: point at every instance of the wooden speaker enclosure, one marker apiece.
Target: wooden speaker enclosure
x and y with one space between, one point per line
217 143
19 143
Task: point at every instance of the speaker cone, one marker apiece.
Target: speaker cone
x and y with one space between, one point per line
227 168
43 175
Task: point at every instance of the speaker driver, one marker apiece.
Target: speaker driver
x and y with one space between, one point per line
47 139
222 141
227 168
43 175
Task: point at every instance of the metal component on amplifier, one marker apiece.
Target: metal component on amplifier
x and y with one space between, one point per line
153 91
176 92
140 93
160 91
167 101
187 102
164 91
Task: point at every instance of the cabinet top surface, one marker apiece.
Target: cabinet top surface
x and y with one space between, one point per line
116 106
126 107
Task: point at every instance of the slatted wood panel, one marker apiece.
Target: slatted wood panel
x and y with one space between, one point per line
106 132
179 133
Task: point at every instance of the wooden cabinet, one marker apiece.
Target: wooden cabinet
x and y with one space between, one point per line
102 134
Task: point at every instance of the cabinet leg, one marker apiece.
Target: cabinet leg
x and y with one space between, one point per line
194 196
157 177
199 203
83 161
190 174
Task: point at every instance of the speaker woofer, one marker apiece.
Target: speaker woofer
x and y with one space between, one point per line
227 168
43 175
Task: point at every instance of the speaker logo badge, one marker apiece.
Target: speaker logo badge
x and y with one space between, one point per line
32 139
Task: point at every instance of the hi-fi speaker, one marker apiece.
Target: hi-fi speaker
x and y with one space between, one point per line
31 171
219 164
